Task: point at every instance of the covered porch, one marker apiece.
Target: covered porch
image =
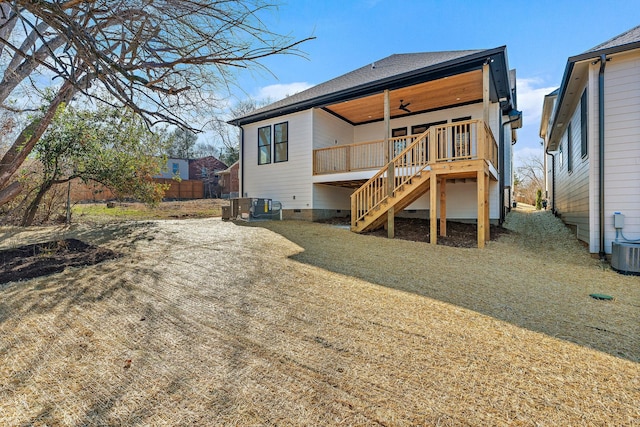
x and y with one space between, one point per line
401 168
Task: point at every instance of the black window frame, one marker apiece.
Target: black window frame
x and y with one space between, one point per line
260 145
277 143
569 149
584 120
399 132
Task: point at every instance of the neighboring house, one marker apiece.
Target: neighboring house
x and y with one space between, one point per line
423 134
229 181
591 132
206 169
175 168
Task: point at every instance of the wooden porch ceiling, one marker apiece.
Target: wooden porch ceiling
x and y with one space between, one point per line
453 90
356 183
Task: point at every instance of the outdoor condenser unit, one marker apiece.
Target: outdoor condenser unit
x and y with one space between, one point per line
625 257
261 207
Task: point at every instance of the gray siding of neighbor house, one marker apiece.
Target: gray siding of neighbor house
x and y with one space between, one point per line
572 186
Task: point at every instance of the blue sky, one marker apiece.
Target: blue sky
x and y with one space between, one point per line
539 35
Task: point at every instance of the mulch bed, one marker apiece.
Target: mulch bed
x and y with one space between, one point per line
41 259
459 235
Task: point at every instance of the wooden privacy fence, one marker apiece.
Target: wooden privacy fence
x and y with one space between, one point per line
187 189
89 192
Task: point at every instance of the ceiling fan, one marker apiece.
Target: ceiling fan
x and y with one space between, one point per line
403 106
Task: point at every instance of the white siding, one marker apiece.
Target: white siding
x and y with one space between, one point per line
622 144
572 187
331 197
288 182
462 200
328 130
315 129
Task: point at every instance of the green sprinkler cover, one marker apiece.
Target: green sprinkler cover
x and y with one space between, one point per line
601 296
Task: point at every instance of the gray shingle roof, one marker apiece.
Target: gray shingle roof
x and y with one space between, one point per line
631 36
386 68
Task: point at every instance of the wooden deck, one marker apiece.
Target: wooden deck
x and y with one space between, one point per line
466 140
410 166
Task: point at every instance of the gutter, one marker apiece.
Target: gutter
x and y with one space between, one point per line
592 55
603 62
241 183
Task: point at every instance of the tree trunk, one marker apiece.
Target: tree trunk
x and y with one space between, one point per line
10 192
30 214
24 143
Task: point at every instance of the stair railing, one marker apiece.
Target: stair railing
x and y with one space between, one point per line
409 163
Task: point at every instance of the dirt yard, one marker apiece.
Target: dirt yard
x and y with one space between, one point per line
204 322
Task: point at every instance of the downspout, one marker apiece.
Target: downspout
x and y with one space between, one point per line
500 171
501 165
241 162
553 180
603 63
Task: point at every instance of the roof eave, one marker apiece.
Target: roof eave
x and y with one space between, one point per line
587 56
443 69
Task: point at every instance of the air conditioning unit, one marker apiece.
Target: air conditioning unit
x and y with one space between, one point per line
625 257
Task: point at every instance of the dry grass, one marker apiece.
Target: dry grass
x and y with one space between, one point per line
207 323
99 213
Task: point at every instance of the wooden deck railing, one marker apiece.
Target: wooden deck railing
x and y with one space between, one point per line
359 156
469 139
407 164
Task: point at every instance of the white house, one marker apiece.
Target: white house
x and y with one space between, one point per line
591 132
421 134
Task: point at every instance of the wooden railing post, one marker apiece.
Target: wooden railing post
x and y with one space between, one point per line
482 151
348 160
387 125
433 141
354 209
391 181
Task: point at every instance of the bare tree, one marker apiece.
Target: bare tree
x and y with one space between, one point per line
228 136
530 178
161 58
182 144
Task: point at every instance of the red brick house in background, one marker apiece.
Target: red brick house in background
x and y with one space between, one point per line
229 181
206 169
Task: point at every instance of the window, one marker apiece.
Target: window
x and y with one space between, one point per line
281 142
264 145
399 144
561 153
584 150
175 168
569 149
395 133
418 129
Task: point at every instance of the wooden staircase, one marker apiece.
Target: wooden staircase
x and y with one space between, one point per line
398 184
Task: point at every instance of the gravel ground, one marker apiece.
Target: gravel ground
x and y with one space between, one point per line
204 322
